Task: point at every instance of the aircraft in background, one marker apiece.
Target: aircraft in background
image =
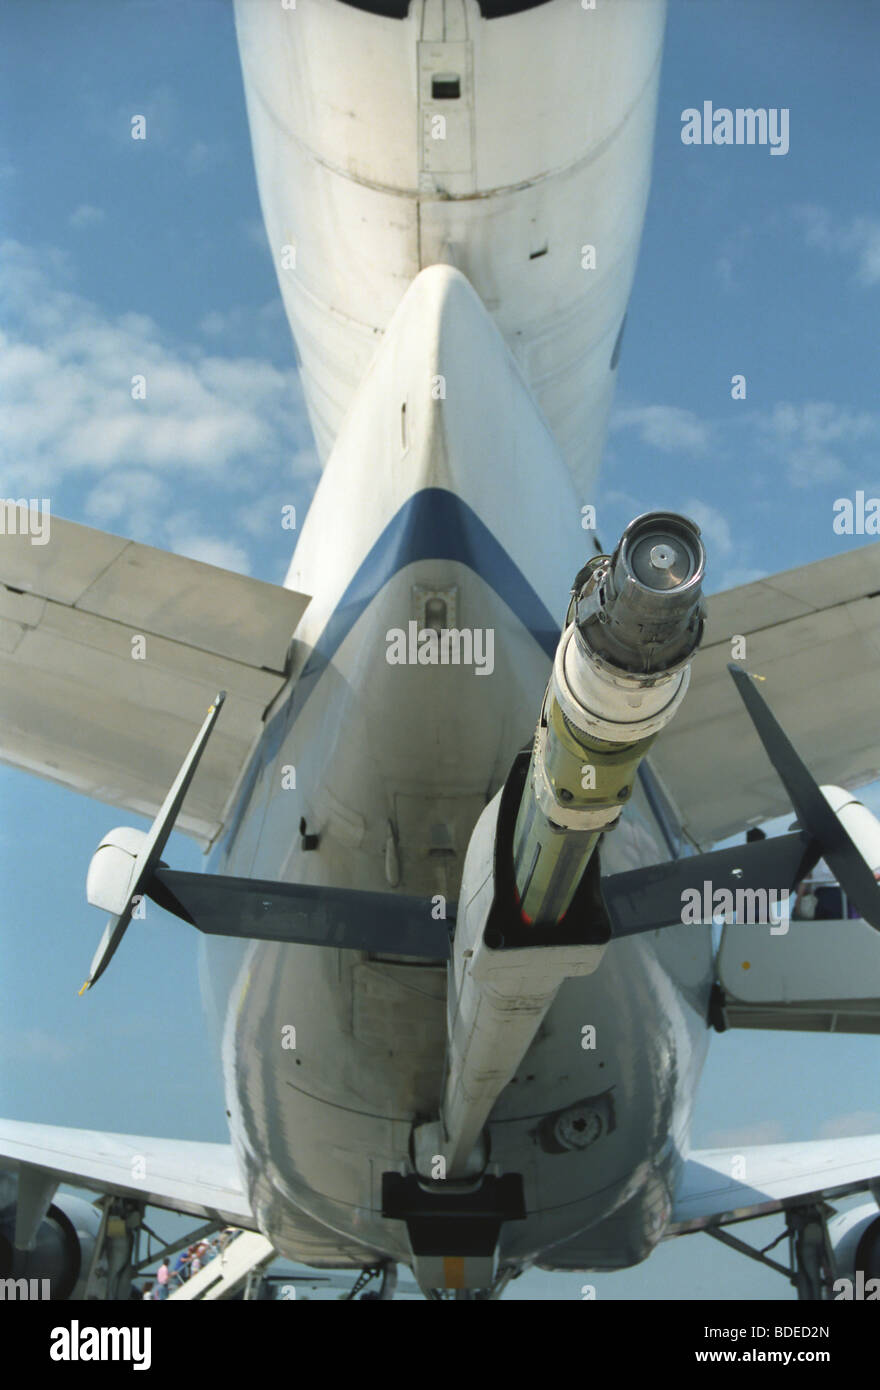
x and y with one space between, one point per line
462 1015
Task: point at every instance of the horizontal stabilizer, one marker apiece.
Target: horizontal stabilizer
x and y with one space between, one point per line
110 651
811 633
260 909
642 899
813 811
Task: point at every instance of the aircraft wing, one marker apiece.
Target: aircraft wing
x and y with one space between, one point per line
196 1179
110 651
813 634
770 1177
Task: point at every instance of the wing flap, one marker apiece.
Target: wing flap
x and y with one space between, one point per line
187 601
813 635
183 1176
110 652
769 1178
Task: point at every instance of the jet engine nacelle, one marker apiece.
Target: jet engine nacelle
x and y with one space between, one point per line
861 825
855 1240
112 867
58 1265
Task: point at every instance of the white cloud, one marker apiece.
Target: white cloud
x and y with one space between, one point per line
244 320
761 1132
213 324
665 427
822 422
812 466
86 215
847 1126
126 495
66 370
214 433
858 237
814 441
263 327
736 575
807 444
264 519
732 253
255 232
159 107
34 1043
203 155
713 525
212 550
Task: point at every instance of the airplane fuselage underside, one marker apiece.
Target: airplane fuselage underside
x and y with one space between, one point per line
389 763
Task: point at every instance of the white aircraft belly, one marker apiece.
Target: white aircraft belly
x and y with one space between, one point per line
318 1124
402 508
511 195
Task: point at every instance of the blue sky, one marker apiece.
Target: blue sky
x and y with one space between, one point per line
122 256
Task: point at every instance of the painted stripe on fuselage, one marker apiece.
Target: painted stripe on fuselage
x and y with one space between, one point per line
433 524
